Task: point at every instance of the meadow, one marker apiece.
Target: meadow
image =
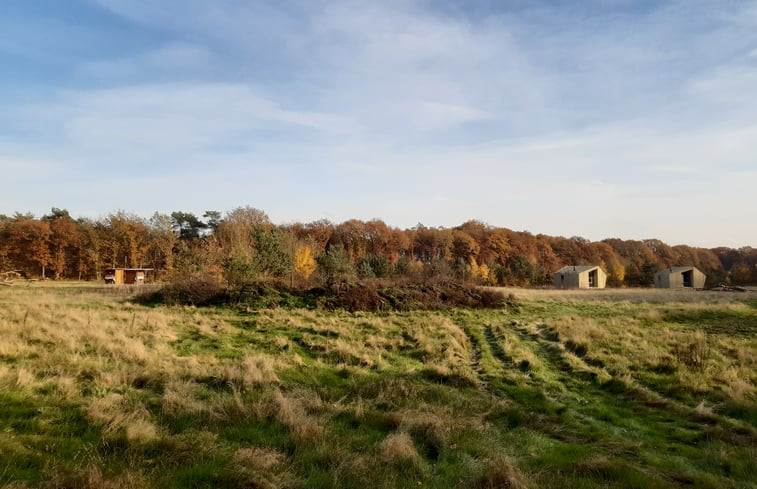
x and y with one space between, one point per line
582 389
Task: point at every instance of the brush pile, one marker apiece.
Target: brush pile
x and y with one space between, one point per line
346 295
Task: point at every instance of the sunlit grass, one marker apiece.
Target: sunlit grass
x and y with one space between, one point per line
626 388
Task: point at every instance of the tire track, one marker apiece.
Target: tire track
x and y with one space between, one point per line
495 345
480 348
475 357
549 347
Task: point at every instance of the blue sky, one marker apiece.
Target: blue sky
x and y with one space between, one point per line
603 118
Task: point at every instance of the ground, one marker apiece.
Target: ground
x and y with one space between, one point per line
583 389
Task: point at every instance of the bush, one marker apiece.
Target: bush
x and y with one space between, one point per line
198 289
374 266
364 270
239 269
354 297
264 295
370 296
351 296
333 263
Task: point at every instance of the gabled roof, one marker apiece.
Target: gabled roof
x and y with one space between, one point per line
677 269
577 268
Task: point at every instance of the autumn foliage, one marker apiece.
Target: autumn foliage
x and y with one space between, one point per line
304 262
243 245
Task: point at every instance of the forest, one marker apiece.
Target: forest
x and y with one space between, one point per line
243 245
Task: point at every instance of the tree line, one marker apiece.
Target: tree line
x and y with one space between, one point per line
244 245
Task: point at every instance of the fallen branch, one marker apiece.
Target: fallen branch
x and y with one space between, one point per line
6 278
728 288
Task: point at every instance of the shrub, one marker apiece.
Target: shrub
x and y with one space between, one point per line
373 296
239 268
262 295
198 289
374 266
333 263
364 270
406 267
369 296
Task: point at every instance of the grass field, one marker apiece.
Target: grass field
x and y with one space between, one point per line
594 389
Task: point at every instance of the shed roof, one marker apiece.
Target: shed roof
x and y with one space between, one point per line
577 268
132 269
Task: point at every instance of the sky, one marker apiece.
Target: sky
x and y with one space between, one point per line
593 118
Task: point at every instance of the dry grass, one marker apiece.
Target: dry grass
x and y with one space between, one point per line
398 449
94 477
737 383
265 468
291 412
181 398
252 371
122 416
701 362
501 472
630 294
297 398
580 330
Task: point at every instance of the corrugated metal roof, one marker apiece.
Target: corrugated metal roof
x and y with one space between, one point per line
577 268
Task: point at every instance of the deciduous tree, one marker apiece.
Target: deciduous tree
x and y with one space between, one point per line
304 262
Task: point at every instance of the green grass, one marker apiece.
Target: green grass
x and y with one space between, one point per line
567 390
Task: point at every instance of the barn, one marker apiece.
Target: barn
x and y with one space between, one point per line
679 277
135 276
580 277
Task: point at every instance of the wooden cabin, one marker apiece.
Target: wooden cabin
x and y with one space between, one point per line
580 277
679 278
131 276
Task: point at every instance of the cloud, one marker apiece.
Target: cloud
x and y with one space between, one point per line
623 181
725 85
611 118
141 121
386 65
389 64
170 58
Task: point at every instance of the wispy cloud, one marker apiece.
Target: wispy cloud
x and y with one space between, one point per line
165 118
170 58
597 118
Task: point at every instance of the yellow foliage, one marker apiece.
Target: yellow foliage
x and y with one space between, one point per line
304 263
473 268
478 271
484 271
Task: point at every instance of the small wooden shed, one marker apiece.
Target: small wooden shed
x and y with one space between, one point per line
679 277
135 276
580 277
